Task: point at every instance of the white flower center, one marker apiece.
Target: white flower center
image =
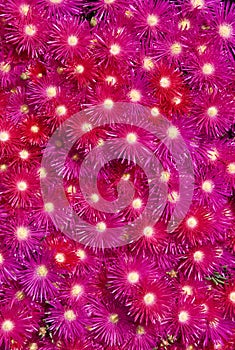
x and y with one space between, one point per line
101 226
115 49
192 222
69 315
131 138
212 111
72 40
207 186
30 30
208 69
137 203
149 298
133 277
51 91
183 316
42 271
148 231
22 186
225 31
7 326
198 256
4 136
152 20
108 103
165 82
22 233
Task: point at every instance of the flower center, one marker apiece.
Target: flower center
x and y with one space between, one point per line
165 82
115 49
225 30
24 109
232 297
111 80
113 318
1 258
187 290
133 277
135 95
149 298
81 254
33 346
176 49
152 20
207 186
42 173
20 295
72 40
94 198
24 154
155 112
42 271
173 132
5 67
183 316
184 24
79 69
60 257
165 176
212 112
24 9
22 233
131 138
137 203
30 30
7 326
51 91
148 63
4 136
49 207
140 330
197 4
76 290
192 222
108 103
198 256
56 1
231 168
22 186
101 226
34 129
208 69
69 315
61 110
148 231
109 1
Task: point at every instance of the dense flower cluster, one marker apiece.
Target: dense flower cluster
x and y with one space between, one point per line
163 290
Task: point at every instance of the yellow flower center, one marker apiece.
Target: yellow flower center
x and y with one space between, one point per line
42 271
183 316
61 110
187 290
81 254
34 129
152 20
232 297
184 24
22 186
5 67
165 82
108 103
155 112
149 298
101 226
225 31
133 277
113 318
49 207
208 69
30 30
7 326
24 9
231 168
51 91
198 256
69 315
115 49
4 136
76 290
1 258
207 186
173 132
176 49
148 231
79 69
72 40
22 233
135 95
197 4
165 176
140 330
24 154
212 112
131 138
137 203
148 63
192 222
60 257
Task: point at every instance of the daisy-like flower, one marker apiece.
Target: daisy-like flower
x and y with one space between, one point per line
197 7
200 261
22 236
77 289
66 321
28 36
38 278
114 47
166 81
21 187
151 302
81 70
125 281
18 107
9 73
59 8
108 322
227 156
69 39
87 260
210 188
150 21
16 324
34 130
186 321
223 25
208 70
197 226
17 10
62 252
214 113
